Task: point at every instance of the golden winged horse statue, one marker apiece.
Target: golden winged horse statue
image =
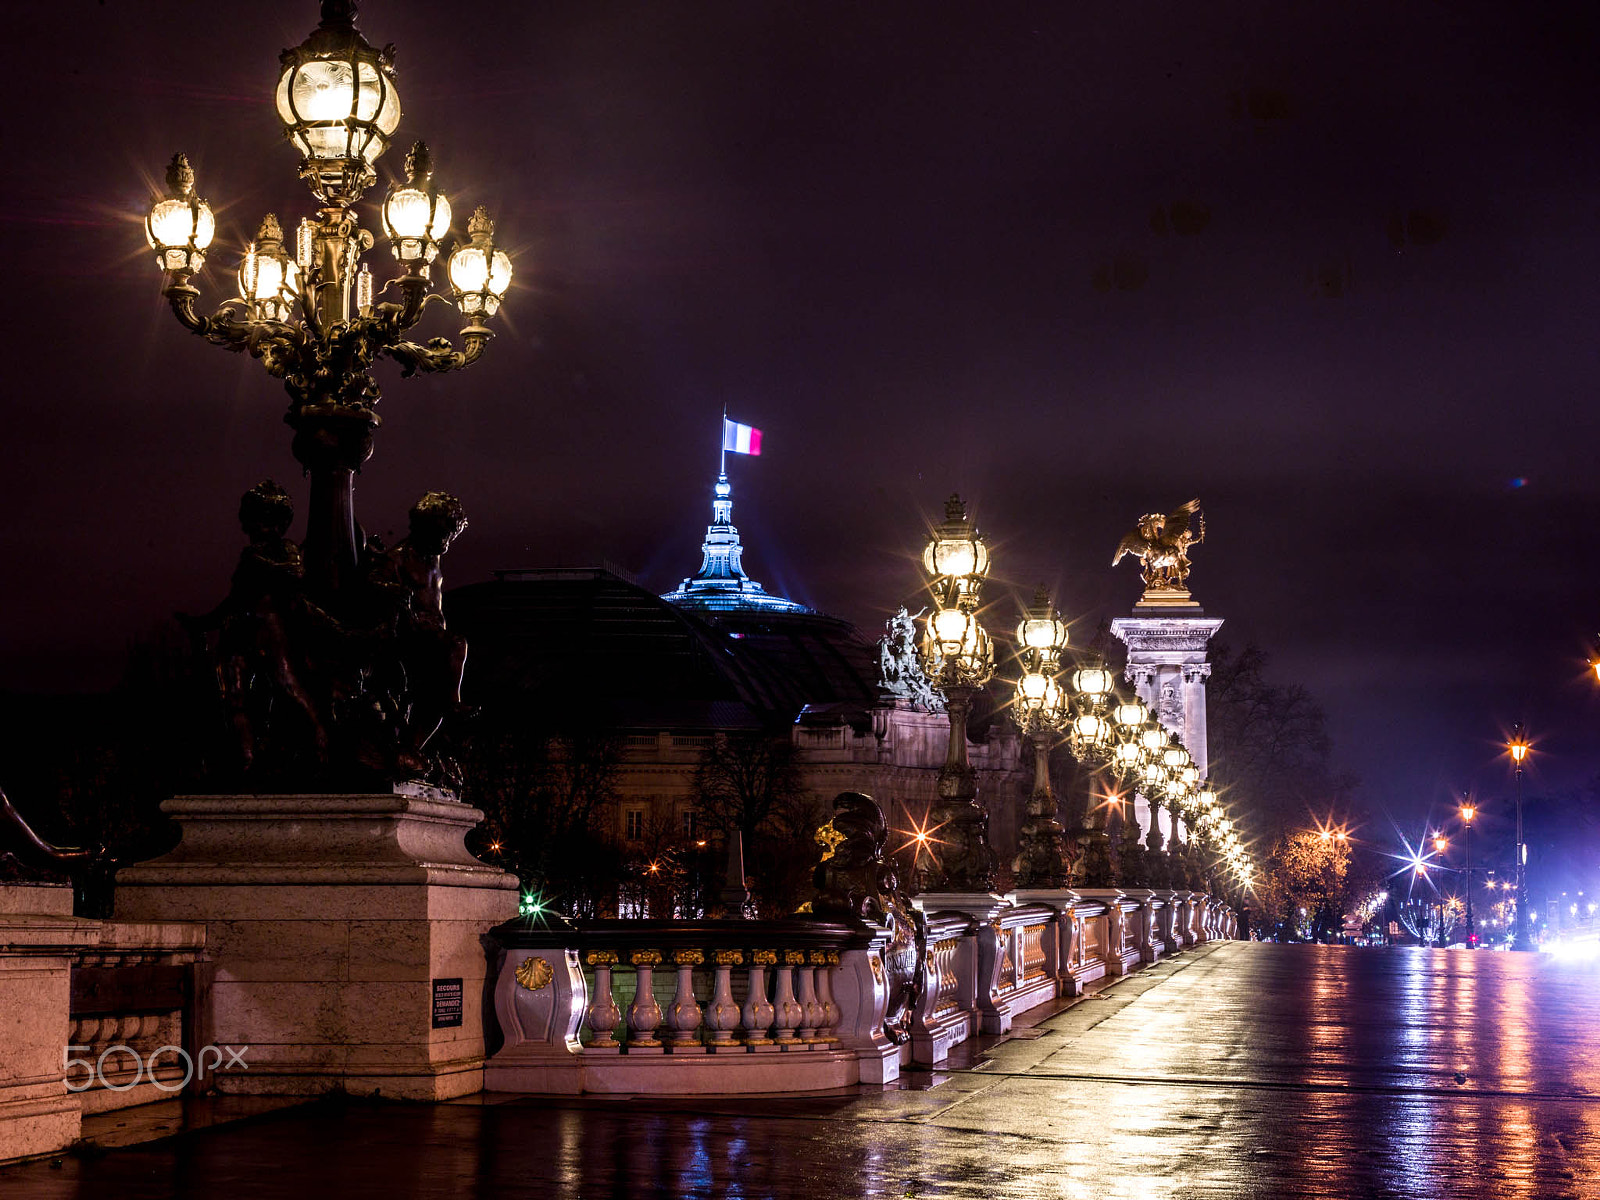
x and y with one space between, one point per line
1161 543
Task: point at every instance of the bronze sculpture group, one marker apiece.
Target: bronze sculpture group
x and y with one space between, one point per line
1161 544
342 687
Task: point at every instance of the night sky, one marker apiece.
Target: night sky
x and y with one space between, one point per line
1331 268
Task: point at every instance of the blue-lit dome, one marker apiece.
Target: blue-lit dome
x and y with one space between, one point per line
721 584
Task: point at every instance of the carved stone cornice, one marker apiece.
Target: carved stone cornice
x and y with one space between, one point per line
1165 634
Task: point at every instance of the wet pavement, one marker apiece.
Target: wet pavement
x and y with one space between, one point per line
1238 1070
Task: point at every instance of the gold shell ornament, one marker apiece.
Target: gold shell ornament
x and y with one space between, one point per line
534 973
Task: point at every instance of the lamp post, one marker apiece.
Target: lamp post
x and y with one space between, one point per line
1518 747
1042 712
310 313
1440 845
958 659
348 647
1469 813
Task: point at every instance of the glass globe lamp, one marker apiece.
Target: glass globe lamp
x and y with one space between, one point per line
1153 779
1038 696
1041 631
1129 717
180 225
957 551
955 648
1127 757
1092 683
337 101
1091 731
269 278
416 215
480 273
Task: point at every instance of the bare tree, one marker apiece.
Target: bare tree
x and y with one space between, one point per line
750 783
543 798
1269 743
745 780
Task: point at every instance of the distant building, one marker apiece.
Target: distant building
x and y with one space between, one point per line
585 648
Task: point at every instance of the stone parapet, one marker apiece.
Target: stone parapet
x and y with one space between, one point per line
84 1007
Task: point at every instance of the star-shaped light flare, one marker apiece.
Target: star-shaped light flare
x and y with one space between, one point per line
920 835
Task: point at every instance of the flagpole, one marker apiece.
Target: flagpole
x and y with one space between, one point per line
722 441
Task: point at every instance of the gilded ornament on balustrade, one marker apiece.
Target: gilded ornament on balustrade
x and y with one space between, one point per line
535 973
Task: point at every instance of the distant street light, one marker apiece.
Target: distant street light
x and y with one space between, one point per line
1518 747
1468 812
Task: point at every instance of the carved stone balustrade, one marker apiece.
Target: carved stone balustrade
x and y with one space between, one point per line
685 1007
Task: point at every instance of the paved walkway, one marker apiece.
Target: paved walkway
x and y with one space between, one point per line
1239 1070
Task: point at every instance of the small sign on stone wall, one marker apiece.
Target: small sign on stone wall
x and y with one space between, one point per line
447 995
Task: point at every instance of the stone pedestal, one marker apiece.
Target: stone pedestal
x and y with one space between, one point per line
39 937
345 935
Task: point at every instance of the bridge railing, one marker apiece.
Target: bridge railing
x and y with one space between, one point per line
686 1007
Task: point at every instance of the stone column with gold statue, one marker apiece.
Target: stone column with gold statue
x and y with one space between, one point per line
1167 636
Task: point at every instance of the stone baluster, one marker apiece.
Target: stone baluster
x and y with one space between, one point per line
810 1007
790 1013
604 1015
758 1013
722 1014
644 1014
684 1016
825 961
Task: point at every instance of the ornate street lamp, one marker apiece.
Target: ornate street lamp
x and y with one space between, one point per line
1163 784
355 657
958 659
1042 710
310 316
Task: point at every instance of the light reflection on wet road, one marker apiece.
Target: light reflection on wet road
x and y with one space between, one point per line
1236 1071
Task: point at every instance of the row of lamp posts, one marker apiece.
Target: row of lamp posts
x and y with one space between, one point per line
1103 730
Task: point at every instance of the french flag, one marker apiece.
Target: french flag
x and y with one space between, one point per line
741 439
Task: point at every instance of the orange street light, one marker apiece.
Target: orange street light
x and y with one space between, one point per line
1468 813
1518 748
